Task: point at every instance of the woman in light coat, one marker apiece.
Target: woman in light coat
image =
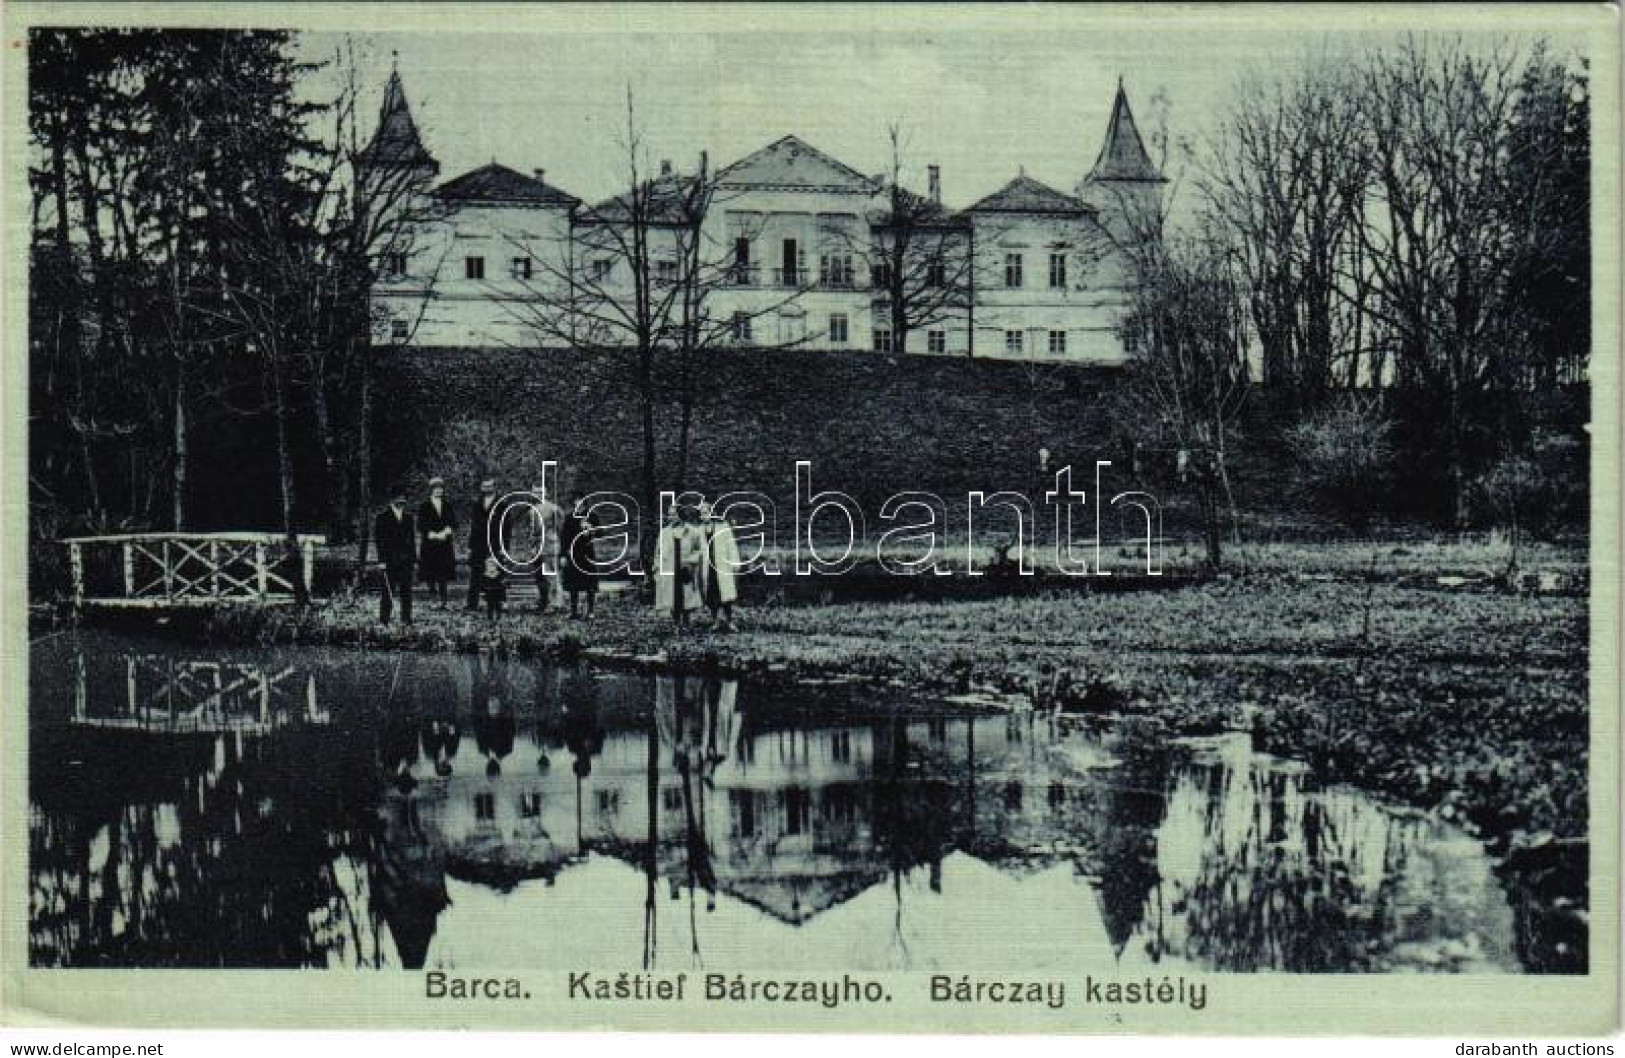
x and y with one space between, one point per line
677 569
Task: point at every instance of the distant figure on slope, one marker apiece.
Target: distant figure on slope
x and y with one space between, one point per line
719 559
437 552
397 550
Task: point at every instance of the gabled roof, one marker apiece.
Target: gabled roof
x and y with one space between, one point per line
498 183
1026 195
396 141
794 164
1123 155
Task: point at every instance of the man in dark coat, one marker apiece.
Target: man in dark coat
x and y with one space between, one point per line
397 550
480 524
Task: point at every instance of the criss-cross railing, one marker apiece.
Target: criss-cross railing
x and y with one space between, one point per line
162 569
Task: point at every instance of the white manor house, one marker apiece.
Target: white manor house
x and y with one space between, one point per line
785 247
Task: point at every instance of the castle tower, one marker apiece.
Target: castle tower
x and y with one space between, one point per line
394 168
1124 184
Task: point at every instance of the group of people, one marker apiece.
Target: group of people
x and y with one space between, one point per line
696 555
696 558
422 546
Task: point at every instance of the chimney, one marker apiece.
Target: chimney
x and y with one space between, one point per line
705 163
665 167
936 183
540 175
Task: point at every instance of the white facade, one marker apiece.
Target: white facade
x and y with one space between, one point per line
793 250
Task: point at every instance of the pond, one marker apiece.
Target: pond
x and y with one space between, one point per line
309 808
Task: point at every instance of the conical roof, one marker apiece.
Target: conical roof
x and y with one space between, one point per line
1123 155
397 141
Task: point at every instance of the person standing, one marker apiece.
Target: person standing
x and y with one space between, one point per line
578 569
547 520
677 561
718 561
397 550
482 522
437 553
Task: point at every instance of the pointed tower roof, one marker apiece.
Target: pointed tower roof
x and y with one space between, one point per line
397 141
1123 155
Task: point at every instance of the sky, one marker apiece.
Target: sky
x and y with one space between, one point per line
985 99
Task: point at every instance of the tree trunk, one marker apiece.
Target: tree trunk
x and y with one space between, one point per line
180 454
651 500
290 535
363 467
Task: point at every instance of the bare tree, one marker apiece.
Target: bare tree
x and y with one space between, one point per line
1186 335
919 256
1288 183
645 274
1450 223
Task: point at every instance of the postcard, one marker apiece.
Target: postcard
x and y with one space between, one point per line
908 518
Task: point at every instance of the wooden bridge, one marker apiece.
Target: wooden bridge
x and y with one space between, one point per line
160 570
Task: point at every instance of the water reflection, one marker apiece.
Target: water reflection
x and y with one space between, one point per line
314 809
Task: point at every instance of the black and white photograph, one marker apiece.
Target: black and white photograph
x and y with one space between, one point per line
1038 507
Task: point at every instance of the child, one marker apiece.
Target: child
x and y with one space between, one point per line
493 587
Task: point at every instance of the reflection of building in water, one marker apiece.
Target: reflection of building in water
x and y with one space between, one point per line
452 810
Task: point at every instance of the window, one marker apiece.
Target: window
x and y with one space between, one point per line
530 805
836 270
1013 343
1057 271
741 327
601 270
520 269
394 264
398 330
882 340
796 806
790 268
837 329
665 271
1012 270
841 746
881 274
742 813
485 806
671 798
609 802
1057 343
742 270
474 268
936 273
936 341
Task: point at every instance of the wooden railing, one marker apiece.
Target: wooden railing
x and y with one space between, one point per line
178 569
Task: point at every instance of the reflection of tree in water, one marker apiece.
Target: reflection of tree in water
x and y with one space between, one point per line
235 861
1276 885
1133 806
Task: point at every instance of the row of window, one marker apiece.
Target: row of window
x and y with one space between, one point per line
936 339
835 270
